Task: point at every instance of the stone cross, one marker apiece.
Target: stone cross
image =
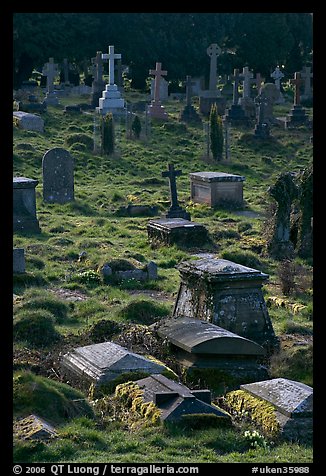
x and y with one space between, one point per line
111 56
261 101
50 70
158 73
66 70
188 90
236 78
213 52
258 81
277 75
307 75
98 66
247 77
297 81
172 174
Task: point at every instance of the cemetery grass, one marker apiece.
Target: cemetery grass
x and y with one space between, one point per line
63 265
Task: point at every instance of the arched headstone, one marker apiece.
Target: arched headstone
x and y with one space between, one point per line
58 176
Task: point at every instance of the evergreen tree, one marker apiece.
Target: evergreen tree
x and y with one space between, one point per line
136 127
216 133
107 134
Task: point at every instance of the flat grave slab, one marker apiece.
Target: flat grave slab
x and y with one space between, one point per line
177 231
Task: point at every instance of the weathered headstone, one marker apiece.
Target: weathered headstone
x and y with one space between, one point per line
24 205
58 176
155 109
111 100
198 344
101 363
246 101
307 76
262 126
175 210
98 83
175 400
258 83
50 70
270 94
284 192
28 121
19 260
189 114
164 89
293 406
216 188
236 114
277 75
297 116
213 94
228 295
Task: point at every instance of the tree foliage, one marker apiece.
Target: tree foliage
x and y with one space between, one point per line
178 40
216 133
107 134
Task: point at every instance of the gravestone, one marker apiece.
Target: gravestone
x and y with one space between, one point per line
270 95
197 85
277 75
111 100
262 127
307 76
175 210
101 363
28 121
189 114
258 81
228 295
227 88
24 205
58 176
293 406
19 260
216 188
297 116
66 72
177 231
164 89
50 70
284 192
175 400
236 114
213 94
198 344
155 109
246 100
98 84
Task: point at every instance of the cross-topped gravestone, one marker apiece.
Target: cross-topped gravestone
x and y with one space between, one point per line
258 82
111 100
247 77
189 113
262 127
50 70
175 210
213 52
156 109
277 75
236 114
111 56
296 81
306 75
297 115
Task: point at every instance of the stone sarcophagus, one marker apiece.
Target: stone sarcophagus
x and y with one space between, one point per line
228 295
217 188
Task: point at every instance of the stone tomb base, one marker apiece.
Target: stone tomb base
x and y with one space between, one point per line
170 231
207 99
296 117
217 188
24 205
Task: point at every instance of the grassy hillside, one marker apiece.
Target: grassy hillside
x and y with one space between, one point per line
63 281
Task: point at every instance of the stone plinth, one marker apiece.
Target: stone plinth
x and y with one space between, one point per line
176 400
228 295
19 260
216 188
24 205
111 101
169 231
208 98
236 115
296 117
28 121
102 363
293 405
155 109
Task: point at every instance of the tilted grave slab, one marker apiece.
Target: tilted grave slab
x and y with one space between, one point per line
216 188
226 294
28 121
24 205
103 362
169 231
176 400
293 403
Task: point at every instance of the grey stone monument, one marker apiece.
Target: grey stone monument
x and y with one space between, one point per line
228 295
307 76
236 114
262 127
111 100
175 210
270 95
277 75
246 100
213 94
58 176
297 116
155 109
98 84
189 114
50 70
216 188
19 260
28 121
24 205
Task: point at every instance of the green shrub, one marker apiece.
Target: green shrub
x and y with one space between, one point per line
79 138
136 127
107 133
36 327
47 398
216 133
143 312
